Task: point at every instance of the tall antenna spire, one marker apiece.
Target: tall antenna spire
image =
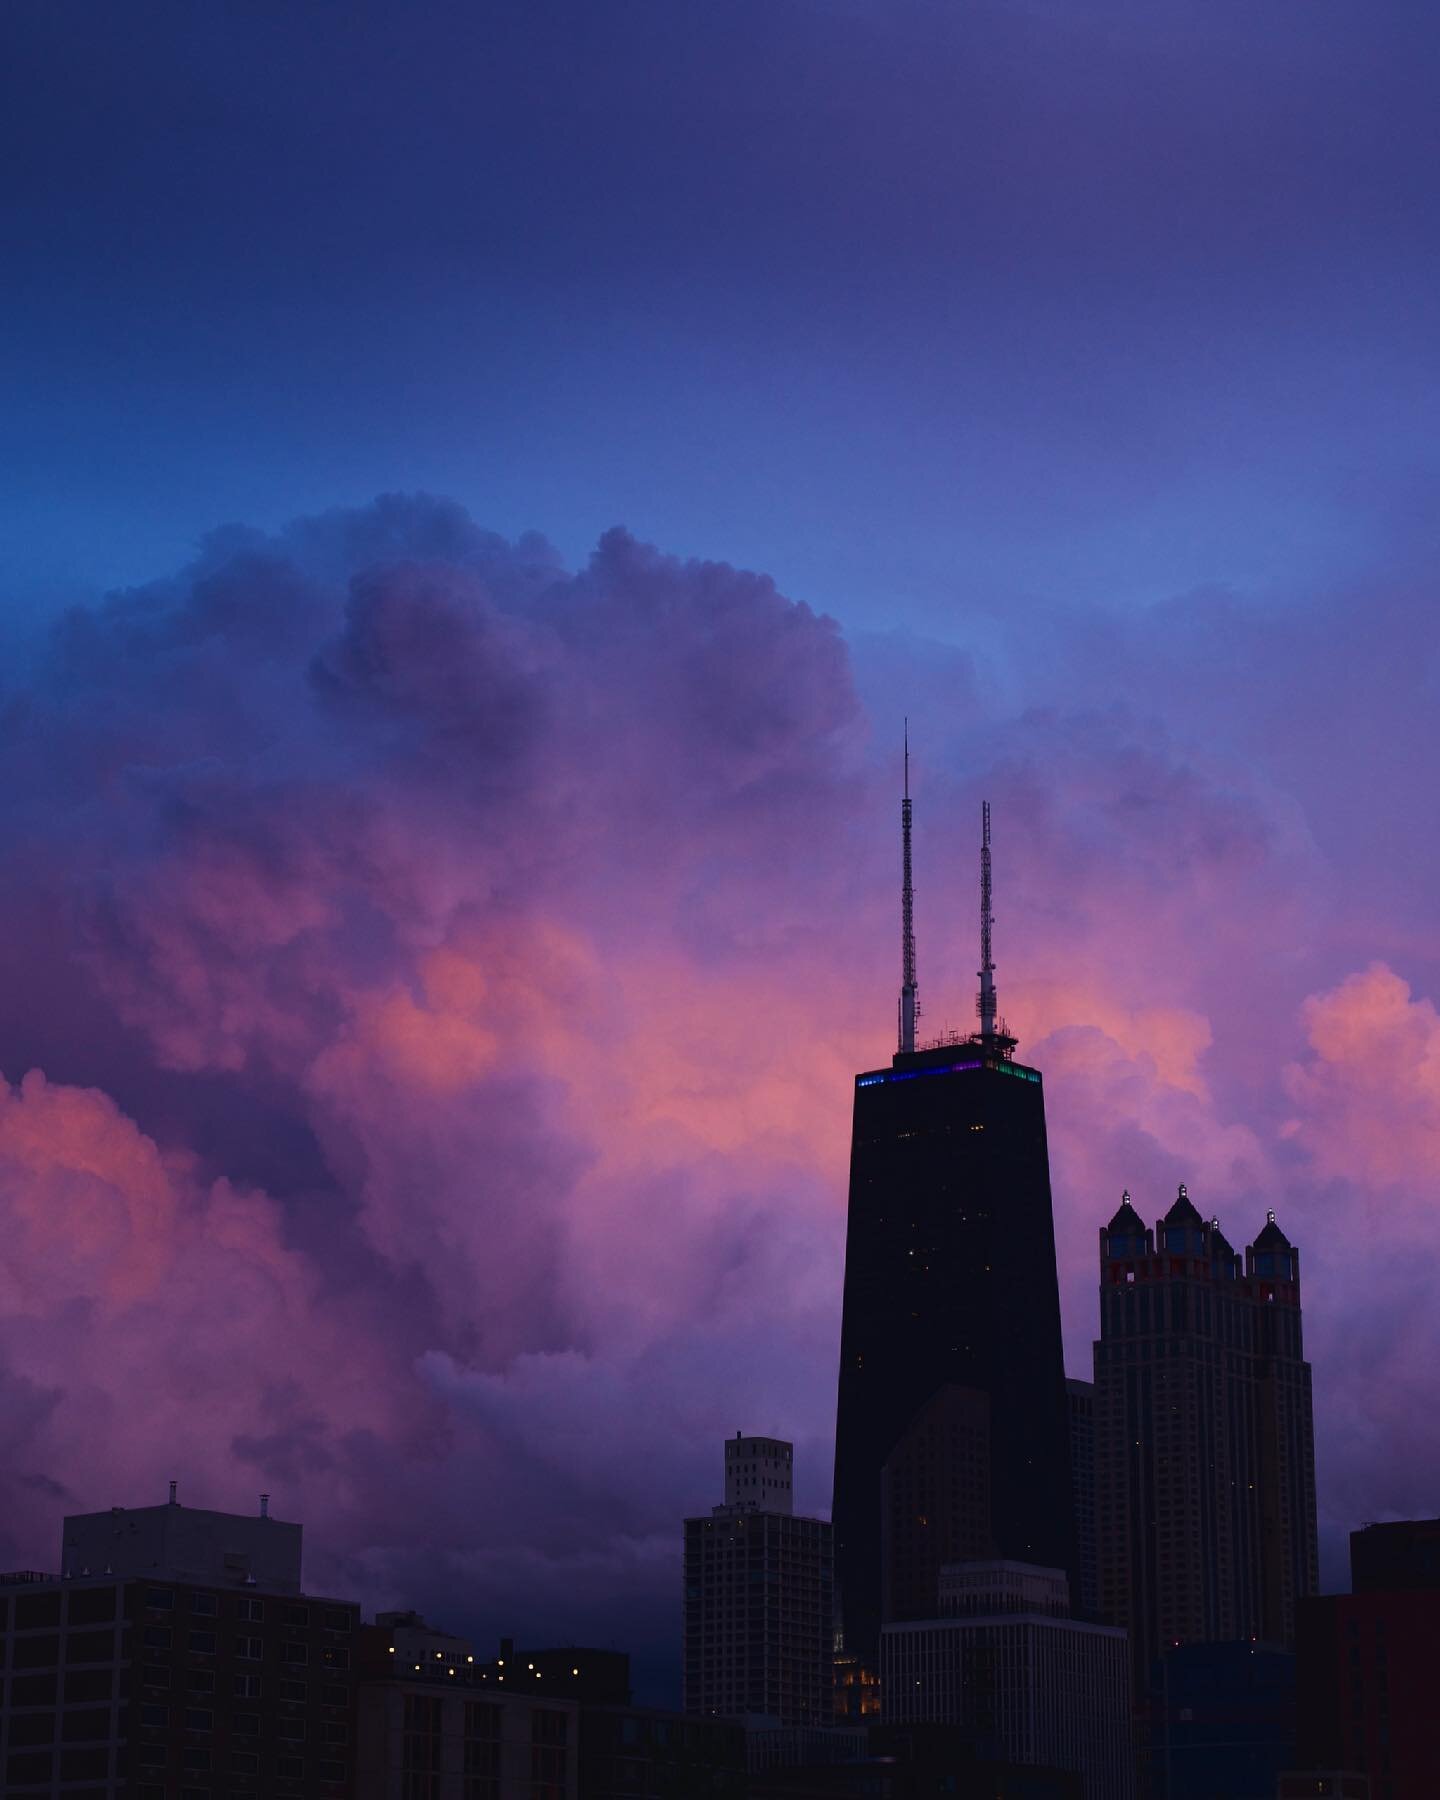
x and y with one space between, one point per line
986 1006
909 996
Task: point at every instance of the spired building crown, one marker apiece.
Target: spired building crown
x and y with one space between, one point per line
1205 1460
951 1314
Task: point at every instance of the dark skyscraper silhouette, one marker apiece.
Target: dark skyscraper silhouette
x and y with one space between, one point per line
1205 1454
949 1281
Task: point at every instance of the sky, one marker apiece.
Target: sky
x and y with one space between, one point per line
484 485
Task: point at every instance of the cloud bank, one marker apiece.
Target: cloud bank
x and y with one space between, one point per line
433 979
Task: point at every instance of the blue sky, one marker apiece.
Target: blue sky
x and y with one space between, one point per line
924 309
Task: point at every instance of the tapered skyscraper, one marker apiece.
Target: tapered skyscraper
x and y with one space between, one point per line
949 1283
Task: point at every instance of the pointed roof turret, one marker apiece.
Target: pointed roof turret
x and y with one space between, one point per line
1184 1211
1127 1221
1272 1237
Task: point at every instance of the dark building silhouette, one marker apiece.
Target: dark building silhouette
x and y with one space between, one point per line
1367 1664
1224 1722
949 1282
187 1662
436 1723
934 1500
759 1597
1205 1461
1401 1557
1080 1399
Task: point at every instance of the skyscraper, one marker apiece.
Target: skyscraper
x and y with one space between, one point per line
758 1597
949 1282
1205 1459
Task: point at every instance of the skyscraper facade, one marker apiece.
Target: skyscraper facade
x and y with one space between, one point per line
949 1282
758 1597
1205 1459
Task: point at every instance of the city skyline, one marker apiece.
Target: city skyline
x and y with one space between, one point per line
447 897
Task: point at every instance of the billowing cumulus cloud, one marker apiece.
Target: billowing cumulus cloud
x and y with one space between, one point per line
433 980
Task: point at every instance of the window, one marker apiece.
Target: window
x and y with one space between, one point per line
32 1690
199 1718
337 1618
294 1653
90 1646
83 1727
334 1733
87 1684
155 1718
252 1649
158 1637
202 1643
292 1730
289 1768
33 1612
293 1692
155 1675
334 1696
253 1610
91 1606
204 1604
330 1771
247 1687
194 1760
244 1762
297 1617
336 1656
201 1681
34 1653
160 1600
245 1724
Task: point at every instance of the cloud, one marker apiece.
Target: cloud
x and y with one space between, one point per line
448 971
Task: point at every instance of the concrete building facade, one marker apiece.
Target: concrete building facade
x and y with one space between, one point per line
1006 1664
759 1588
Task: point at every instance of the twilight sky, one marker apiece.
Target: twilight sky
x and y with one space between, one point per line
441 928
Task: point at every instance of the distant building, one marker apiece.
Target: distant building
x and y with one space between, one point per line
1080 1399
759 1473
1205 1458
1401 1557
436 1723
758 1598
1005 1663
1367 1667
934 1500
191 1664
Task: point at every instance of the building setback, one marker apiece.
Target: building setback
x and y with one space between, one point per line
172 1674
759 1588
1205 1460
1005 1663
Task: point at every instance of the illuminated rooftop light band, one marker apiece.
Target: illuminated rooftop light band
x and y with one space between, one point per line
1001 1068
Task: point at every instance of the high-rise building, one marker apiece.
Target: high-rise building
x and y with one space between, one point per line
1004 1661
759 1587
1205 1459
1080 1398
1367 1661
949 1282
175 1655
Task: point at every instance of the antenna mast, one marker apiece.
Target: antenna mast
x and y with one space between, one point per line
909 997
986 1004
